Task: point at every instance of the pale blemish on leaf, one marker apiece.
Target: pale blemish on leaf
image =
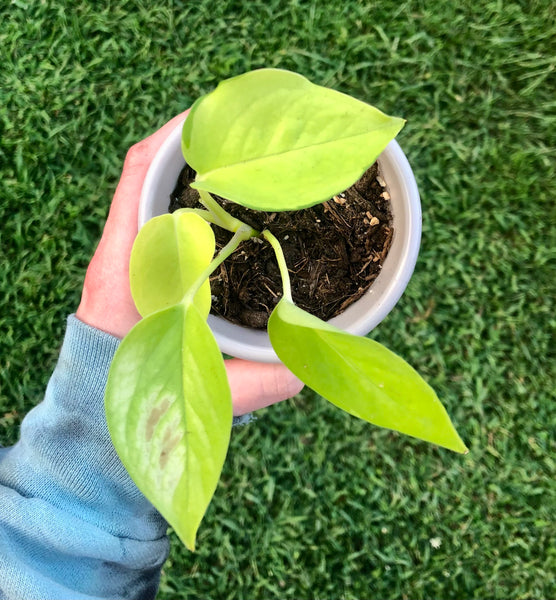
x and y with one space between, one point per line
156 414
169 444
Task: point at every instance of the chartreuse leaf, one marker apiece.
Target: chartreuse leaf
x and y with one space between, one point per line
169 413
360 376
272 140
168 255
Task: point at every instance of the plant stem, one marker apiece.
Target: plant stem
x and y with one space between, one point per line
273 241
243 233
221 217
205 214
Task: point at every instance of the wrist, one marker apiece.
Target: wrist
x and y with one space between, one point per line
114 320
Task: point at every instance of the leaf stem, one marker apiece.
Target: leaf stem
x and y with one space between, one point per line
243 233
286 284
205 214
220 216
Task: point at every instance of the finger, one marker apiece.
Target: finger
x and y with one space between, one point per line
138 159
140 155
155 140
256 385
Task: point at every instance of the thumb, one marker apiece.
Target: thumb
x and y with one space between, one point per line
256 385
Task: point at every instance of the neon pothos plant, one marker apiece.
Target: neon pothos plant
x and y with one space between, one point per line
168 401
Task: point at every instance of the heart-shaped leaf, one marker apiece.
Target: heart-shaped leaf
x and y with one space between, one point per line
169 412
360 376
272 140
168 255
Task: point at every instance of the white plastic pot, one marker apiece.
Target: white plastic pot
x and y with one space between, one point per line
359 318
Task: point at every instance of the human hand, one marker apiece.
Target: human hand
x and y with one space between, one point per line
106 301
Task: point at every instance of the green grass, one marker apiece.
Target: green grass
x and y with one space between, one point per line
312 503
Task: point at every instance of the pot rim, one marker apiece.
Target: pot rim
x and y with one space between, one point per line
360 317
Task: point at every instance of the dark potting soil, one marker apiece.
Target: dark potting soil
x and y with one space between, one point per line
334 252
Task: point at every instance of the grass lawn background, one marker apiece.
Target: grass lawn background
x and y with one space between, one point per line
313 503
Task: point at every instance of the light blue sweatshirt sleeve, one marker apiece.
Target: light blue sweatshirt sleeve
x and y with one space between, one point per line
72 523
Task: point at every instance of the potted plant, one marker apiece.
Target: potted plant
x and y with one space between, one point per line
168 402
359 318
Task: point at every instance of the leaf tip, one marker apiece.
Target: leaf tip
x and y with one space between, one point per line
187 537
460 447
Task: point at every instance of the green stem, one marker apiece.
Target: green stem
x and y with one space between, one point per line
205 214
243 233
273 241
221 217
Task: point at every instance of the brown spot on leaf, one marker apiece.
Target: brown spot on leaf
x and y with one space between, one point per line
169 444
155 416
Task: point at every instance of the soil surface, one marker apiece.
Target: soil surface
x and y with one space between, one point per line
334 252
